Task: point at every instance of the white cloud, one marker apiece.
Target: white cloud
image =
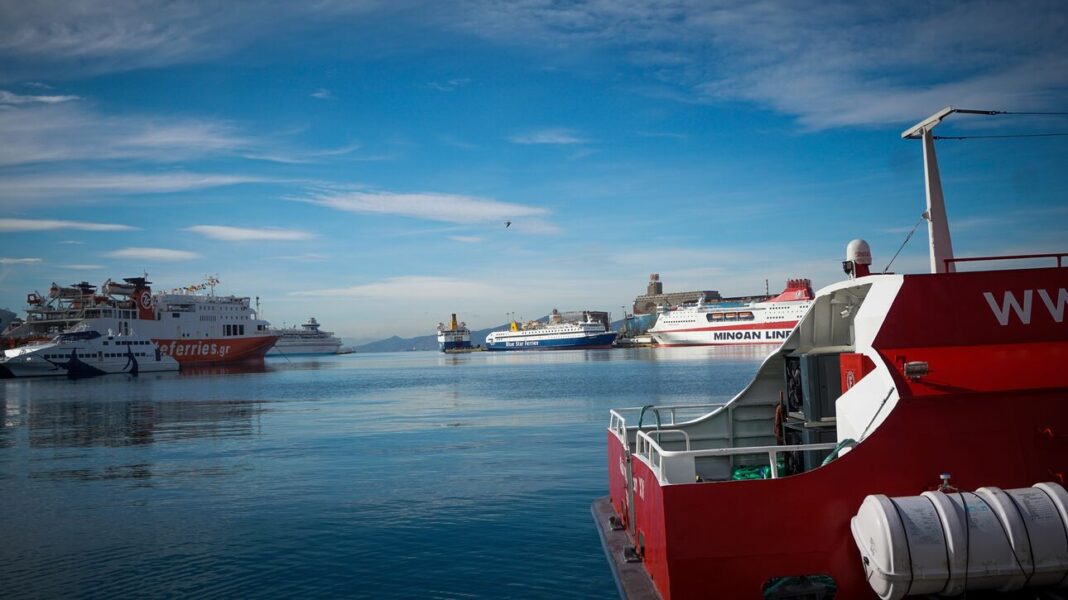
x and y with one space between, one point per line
420 287
448 86
82 267
153 254
466 239
829 64
20 261
552 135
84 185
323 94
12 98
450 208
241 234
308 257
13 225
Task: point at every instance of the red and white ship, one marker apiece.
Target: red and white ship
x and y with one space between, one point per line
192 327
767 321
909 437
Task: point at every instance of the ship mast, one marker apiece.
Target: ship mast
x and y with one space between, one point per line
941 244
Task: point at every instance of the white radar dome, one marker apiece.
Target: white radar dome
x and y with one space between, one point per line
858 252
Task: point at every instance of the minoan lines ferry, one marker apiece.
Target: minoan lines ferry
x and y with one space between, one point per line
192 327
454 336
555 335
722 323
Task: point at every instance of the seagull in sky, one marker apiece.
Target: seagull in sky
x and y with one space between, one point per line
507 224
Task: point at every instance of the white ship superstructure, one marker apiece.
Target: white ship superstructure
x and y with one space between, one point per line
191 326
306 339
454 336
768 321
85 352
557 334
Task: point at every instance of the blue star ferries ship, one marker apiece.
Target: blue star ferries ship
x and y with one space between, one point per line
557 334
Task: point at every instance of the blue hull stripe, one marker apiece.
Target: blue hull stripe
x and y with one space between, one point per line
453 345
602 339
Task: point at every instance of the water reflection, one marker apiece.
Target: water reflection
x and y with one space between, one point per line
96 423
113 423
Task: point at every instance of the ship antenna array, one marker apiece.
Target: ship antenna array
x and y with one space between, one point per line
940 242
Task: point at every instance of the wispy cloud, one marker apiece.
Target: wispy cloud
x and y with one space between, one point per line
323 94
308 257
82 267
466 239
14 225
20 188
449 208
448 86
828 64
13 98
20 261
75 242
439 288
241 234
552 135
153 254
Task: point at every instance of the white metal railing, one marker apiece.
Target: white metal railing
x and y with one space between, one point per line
670 409
684 467
617 422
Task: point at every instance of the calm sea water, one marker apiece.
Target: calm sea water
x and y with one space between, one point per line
395 475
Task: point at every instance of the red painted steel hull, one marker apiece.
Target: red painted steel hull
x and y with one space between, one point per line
216 351
992 411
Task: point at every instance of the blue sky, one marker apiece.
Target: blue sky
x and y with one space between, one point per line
357 161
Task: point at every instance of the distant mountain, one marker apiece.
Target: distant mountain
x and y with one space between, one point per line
423 342
430 342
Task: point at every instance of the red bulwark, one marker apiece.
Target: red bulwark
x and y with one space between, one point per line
989 406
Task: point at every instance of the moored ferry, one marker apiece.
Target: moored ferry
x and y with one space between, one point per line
306 339
186 324
908 438
454 336
557 334
768 321
84 352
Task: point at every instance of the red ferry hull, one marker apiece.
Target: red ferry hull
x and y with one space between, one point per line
216 351
991 411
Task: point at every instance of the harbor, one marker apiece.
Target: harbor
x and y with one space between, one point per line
534 300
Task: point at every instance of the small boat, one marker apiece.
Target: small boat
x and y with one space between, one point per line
908 438
557 334
85 352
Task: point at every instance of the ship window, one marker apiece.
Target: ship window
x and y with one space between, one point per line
174 315
105 343
241 330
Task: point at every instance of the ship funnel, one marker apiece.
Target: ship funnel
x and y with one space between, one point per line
453 322
858 259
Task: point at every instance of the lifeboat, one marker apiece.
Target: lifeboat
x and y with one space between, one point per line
114 288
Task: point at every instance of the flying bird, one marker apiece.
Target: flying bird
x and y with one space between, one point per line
507 224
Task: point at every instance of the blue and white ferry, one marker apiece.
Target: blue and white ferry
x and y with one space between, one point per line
554 335
454 336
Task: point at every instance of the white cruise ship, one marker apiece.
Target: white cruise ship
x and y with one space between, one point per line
306 339
767 321
557 334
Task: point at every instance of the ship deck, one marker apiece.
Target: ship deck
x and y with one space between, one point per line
632 580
